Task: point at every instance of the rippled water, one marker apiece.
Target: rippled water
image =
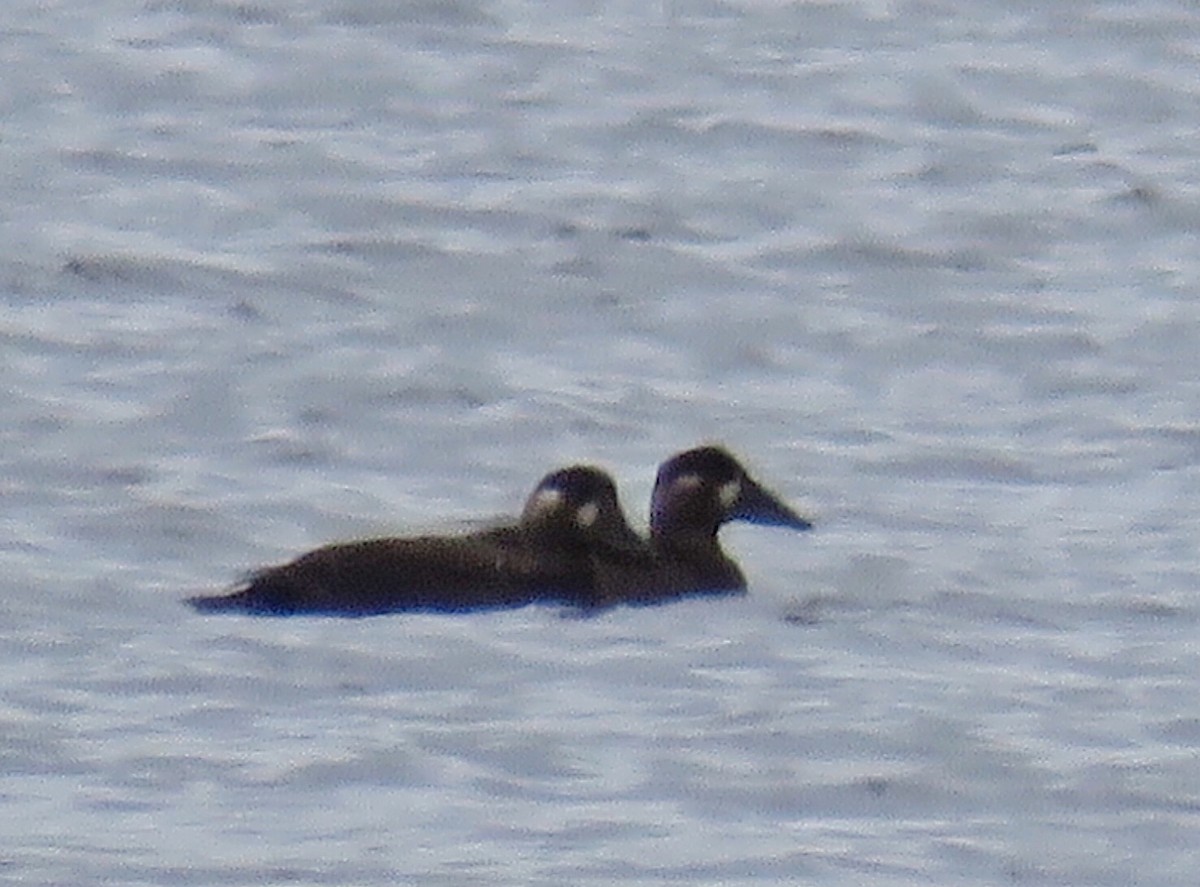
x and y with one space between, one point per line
278 273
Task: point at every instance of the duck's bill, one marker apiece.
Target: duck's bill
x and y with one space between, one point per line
757 506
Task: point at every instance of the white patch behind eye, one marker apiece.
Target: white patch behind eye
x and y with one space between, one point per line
690 481
729 493
587 514
547 500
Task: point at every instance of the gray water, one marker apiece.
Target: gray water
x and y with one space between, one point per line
279 273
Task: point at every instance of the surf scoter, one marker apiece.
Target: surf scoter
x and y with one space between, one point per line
571 522
695 492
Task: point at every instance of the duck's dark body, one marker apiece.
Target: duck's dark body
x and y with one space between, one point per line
572 546
502 569
571 522
694 494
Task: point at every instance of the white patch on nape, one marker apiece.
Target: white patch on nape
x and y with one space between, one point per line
729 493
546 501
587 514
688 481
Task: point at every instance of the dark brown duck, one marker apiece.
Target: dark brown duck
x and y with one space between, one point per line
572 521
695 493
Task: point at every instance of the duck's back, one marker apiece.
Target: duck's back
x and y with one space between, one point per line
499 568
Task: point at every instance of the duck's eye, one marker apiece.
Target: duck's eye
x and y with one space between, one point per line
546 501
729 493
587 514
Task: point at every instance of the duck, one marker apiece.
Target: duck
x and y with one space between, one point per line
696 492
571 522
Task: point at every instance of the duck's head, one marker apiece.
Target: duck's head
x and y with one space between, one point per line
579 504
698 490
